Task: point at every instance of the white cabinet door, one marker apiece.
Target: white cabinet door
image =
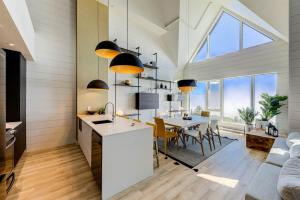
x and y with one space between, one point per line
85 141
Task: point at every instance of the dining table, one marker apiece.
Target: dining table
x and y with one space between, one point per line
181 124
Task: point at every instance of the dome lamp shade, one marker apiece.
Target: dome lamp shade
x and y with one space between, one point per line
126 63
186 85
97 85
107 49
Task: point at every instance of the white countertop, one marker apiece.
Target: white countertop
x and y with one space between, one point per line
118 126
12 125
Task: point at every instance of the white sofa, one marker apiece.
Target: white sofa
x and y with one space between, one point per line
264 183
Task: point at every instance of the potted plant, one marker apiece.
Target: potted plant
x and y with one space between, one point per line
248 115
101 111
270 107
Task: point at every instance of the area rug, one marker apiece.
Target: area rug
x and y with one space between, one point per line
192 155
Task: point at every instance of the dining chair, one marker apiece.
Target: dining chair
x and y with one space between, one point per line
154 141
214 129
198 135
205 113
166 135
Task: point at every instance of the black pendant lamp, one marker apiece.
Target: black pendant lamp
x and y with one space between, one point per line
97 84
186 85
107 49
126 63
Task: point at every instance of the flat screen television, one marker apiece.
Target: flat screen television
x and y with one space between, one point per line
145 101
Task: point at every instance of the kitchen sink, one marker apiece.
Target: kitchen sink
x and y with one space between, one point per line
102 122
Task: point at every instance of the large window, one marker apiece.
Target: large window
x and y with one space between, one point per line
214 97
225 38
198 98
237 94
264 83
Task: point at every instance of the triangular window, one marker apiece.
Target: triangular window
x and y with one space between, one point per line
202 54
252 37
225 37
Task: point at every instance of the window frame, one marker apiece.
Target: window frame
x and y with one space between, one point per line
215 22
221 82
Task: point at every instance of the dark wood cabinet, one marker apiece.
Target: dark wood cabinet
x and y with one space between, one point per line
16 98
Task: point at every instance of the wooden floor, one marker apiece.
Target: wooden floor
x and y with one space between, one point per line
64 174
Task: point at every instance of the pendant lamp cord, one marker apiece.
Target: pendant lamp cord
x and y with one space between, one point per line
188 36
98 33
127 25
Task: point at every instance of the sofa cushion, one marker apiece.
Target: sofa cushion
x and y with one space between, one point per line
289 180
295 151
263 185
293 138
279 152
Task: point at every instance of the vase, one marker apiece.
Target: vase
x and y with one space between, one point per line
249 127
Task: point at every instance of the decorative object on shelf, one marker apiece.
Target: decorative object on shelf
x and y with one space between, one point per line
186 85
97 84
166 87
126 63
271 130
120 113
270 107
161 86
169 97
90 111
101 111
127 82
248 115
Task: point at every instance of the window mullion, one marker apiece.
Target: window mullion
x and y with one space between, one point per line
241 35
253 92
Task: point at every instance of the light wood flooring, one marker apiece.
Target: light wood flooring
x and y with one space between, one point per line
63 174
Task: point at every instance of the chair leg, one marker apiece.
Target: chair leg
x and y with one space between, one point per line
209 142
212 138
165 145
156 152
219 137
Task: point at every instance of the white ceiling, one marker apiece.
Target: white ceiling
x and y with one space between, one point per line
274 12
15 33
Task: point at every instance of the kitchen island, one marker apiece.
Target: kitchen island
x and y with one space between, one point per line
119 151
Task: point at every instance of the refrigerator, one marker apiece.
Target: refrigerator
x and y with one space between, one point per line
3 165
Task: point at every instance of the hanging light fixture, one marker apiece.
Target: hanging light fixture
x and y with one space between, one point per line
97 84
126 63
107 49
187 85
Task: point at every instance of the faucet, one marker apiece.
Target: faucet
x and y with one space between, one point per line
113 107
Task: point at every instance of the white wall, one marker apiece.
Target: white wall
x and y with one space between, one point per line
51 78
272 57
294 98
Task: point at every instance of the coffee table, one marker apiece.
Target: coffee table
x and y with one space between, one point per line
257 139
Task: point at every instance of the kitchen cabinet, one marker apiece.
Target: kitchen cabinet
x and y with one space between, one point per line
16 98
84 139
